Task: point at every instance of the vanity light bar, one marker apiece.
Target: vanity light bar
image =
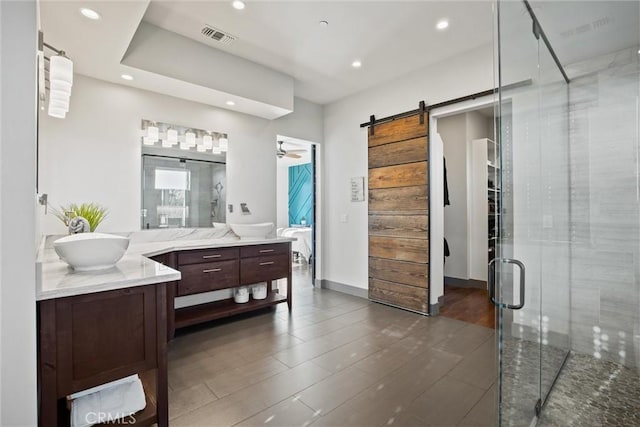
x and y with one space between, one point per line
168 136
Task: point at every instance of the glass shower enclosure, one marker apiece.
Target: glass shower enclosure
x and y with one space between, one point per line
531 271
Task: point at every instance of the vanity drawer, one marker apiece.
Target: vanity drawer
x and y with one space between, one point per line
262 250
261 269
207 255
207 277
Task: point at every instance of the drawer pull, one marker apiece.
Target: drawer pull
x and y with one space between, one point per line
264 251
211 270
211 256
267 263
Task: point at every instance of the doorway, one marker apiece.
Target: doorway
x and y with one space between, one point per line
469 154
297 202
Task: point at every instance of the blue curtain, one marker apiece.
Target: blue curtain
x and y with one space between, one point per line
301 194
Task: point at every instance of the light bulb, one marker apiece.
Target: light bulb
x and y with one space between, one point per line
60 86
172 136
57 113
90 13
58 104
153 133
61 69
59 95
190 139
207 141
442 24
224 144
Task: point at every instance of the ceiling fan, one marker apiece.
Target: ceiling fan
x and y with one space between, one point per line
293 154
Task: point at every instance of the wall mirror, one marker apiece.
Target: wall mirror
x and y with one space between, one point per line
184 175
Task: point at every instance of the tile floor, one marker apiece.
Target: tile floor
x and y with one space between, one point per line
342 361
592 392
336 360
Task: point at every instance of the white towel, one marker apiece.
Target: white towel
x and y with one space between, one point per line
117 402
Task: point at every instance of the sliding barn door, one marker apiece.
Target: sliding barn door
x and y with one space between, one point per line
399 213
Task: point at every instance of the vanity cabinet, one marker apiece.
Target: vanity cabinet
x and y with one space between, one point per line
208 276
91 339
264 263
207 255
206 270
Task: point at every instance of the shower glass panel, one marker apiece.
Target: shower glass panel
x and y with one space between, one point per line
555 206
182 192
531 286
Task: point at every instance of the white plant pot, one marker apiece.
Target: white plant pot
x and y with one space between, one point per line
241 295
259 291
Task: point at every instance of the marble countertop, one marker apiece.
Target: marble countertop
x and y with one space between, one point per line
55 279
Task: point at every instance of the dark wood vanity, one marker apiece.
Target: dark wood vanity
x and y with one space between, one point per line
91 337
215 269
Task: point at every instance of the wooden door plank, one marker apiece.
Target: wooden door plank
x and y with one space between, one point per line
399 130
408 273
414 250
399 199
411 226
405 296
397 153
398 176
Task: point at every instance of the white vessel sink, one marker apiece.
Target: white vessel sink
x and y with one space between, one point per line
91 251
252 231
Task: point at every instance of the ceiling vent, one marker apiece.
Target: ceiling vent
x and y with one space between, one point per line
217 35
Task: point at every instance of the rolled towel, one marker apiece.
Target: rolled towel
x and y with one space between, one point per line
111 404
79 225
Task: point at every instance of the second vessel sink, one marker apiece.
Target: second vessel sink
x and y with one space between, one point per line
252 231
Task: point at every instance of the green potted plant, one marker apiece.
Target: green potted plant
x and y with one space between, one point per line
94 213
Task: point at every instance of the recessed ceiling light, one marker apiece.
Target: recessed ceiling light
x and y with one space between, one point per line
238 4
127 76
231 103
442 24
324 23
356 64
90 13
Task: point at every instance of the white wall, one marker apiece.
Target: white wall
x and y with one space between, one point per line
282 195
94 154
18 44
345 145
453 131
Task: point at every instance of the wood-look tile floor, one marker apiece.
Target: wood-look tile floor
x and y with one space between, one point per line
336 360
470 305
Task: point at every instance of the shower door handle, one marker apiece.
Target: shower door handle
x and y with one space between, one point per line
492 282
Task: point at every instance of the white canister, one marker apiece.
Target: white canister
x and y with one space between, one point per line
241 295
259 291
